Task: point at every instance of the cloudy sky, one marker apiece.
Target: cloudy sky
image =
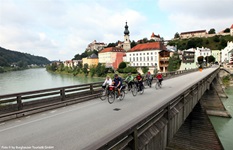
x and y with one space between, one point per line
60 29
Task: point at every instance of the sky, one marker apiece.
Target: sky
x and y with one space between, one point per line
60 29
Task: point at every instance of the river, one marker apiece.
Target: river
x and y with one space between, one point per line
224 126
36 79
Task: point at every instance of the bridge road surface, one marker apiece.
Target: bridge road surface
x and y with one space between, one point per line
77 126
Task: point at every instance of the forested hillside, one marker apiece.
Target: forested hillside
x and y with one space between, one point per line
9 57
214 43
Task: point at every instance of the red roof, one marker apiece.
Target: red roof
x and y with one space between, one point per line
112 49
148 46
232 26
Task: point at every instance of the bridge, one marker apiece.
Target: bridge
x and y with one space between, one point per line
148 121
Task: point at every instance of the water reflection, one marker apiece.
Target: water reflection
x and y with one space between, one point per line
36 79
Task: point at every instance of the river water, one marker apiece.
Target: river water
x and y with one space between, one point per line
37 79
224 126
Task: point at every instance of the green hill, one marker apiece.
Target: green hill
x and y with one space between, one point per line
214 43
9 57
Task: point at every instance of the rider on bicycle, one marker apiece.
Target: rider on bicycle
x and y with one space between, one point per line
149 78
108 81
117 82
129 80
140 80
159 76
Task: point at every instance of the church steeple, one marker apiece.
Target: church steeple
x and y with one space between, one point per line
126 32
126 45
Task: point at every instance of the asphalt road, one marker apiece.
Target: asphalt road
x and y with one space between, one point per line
77 126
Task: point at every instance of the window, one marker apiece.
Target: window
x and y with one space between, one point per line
144 58
133 59
140 58
137 59
148 58
151 58
129 59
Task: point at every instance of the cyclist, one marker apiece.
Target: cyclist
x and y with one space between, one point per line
139 79
159 76
129 80
117 82
108 81
149 78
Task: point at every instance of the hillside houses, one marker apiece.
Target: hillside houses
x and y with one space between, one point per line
153 54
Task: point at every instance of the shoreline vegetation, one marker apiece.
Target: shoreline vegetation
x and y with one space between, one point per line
227 80
93 71
8 69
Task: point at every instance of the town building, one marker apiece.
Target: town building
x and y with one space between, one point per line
155 37
191 34
227 53
95 46
91 61
217 55
111 57
68 63
188 59
231 30
126 45
153 55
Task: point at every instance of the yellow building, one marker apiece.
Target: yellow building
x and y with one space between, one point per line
91 60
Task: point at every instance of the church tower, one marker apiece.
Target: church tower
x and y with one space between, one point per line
126 45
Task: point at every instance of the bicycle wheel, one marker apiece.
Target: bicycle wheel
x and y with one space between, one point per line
103 95
134 90
126 88
122 96
111 97
142 91
156 85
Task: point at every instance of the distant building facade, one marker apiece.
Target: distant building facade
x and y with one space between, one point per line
150 55
231 30
95 46
227 53
92 60
188 59
217 55
191 34
155 37
111 57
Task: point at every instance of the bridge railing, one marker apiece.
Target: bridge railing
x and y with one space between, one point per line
24 103
40 100
156 127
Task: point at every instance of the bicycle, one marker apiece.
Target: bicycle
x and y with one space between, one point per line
142 88
113 92
103 94
157 84
133 88
149 81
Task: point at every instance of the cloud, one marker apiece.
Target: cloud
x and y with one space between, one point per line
60 29
191 15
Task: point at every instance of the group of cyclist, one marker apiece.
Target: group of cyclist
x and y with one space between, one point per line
130 80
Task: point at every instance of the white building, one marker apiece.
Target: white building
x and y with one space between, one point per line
217 55
227 53
150 55
202 52
189 60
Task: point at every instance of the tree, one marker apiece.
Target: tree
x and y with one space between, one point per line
174 62
200 60
145 70
145 40
92 71
122 65
210 59
85 69
212 31
216 38
227 30
176 35
133 43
